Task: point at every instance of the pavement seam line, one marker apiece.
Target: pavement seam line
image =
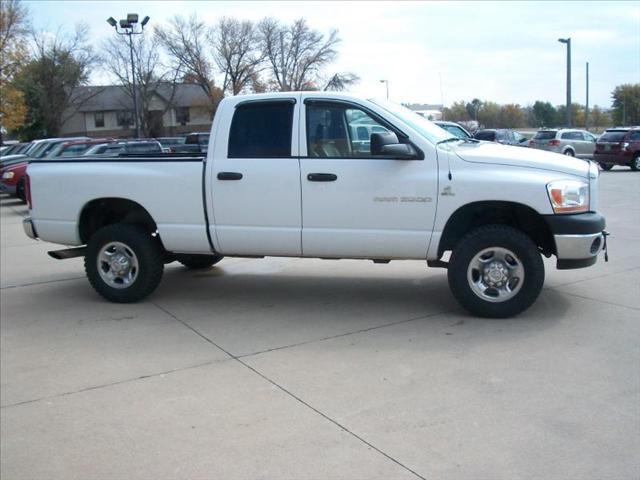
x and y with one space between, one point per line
346 334
35 284
597 277
599 300
290 394
111 384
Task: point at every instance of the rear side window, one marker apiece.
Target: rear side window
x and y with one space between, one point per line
261 130
634 136
546 135
487 135
144 148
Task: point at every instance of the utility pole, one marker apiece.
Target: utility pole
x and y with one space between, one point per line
586 108
567 42
386 82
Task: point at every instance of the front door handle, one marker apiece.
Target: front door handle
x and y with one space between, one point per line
322 177
229 176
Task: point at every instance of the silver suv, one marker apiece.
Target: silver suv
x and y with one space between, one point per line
576 143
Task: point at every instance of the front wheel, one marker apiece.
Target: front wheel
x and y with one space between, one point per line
124 263
496 271
635 162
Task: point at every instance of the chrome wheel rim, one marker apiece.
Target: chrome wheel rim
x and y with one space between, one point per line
117 265
636 162
495 274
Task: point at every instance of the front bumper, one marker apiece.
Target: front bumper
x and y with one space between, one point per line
579 238
29 228
10 189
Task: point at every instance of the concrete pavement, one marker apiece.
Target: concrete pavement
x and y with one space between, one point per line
288 368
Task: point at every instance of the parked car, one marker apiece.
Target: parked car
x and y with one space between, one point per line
15 149
76 148
12 180
452 127
567 141
619 146
194 143
169 142
416 193
128 146
502 135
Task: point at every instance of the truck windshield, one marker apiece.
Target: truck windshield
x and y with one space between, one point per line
429 130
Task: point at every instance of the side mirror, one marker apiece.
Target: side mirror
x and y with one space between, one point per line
379 140
399 151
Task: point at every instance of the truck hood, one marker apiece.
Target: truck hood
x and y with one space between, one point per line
487 152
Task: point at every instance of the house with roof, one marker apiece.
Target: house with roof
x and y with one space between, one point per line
169 110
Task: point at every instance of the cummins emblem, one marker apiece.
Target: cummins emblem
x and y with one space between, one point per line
448 192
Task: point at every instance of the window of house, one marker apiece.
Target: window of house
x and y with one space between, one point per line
182 115
261 130
98 118
124 118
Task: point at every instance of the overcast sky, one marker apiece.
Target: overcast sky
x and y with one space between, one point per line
501 51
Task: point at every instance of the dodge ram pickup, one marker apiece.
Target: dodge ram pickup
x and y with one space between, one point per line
325 175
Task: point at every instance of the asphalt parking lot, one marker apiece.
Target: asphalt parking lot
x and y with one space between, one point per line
311 369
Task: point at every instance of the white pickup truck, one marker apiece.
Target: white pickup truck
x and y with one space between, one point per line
325 175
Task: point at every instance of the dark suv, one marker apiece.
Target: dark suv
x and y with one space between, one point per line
502 135
619 146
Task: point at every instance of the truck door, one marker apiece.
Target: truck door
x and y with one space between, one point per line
354 204
256 179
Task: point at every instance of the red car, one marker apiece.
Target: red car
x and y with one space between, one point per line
618 146
12 180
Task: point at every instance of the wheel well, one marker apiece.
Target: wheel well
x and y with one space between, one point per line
106 211
517 215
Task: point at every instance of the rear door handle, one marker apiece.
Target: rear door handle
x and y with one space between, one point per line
229 176
322 177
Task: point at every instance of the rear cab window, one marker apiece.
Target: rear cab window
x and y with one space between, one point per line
261 129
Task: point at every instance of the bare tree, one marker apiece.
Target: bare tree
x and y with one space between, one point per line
187 44
341 81
238 53
150 75
58 66
295 53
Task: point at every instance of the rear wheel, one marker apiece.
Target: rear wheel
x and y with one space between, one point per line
635 162
569 153
496 271
198 262
20 192
606 166
124 263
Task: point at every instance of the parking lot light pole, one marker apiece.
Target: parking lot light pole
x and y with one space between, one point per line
127 27
567 41
386 82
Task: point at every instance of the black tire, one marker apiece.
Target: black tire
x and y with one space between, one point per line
495 236
635 162
198 262
569 153
148 253
606 166
20 193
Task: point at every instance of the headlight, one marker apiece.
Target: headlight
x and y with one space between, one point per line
569 196
7 175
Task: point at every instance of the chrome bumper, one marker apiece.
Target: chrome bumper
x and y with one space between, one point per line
578 251
29 229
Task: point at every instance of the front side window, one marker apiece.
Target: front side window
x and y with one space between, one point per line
261 130
340 131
